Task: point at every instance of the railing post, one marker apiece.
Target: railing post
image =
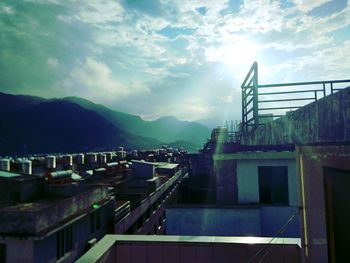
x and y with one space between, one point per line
255 96
243 127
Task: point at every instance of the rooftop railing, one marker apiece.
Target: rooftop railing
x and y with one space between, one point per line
263 103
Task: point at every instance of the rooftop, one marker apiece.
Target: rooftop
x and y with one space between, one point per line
40 215
142 248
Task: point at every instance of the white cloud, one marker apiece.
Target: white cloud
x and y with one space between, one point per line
53 62
8 10
326 64
127 56
94 79
308 5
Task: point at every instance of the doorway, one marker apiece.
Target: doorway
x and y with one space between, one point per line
337 206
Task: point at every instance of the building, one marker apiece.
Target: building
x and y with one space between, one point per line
49 223
292 168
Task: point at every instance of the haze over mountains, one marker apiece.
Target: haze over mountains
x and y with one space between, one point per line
36 125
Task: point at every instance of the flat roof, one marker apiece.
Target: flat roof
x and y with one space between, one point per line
168 165
143 162
34 206
9 174
18 177
109 241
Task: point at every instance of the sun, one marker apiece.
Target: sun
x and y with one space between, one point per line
241 52
234 54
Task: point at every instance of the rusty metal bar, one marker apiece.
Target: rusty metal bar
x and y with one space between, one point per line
288 92
279 100
302 83
281 108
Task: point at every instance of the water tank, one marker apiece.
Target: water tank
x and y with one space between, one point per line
121 148
50 161
134 153
108 156
68 160
79 158
102 158
121 154
91 157
26 167
5 164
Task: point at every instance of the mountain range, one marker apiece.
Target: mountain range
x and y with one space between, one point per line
36 125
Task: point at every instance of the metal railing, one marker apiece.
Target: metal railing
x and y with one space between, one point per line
263 103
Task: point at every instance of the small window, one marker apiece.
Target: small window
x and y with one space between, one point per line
273 185
64 241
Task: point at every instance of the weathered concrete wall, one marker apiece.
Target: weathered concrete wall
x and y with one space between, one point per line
212 221
326 120
171 249
42 214
248 179
18 250
225 173
45 249
231 221
311 163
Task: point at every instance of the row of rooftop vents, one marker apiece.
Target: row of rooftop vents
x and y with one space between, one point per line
25 165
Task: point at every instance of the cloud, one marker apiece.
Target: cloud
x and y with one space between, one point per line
308 5
166 57
53 62
94 79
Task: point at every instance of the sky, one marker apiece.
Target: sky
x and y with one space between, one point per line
153 58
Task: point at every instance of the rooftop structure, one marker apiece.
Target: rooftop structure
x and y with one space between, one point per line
137 248
269 100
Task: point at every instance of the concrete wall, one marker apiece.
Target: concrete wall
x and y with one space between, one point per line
233 221
21 189
212 221
18 250
42 249
326 120
144 170
225 172
248 179
176 249
38 216
311 163
154 202
45 250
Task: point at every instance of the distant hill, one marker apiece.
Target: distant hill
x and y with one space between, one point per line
166 129
57 126
10 103
75 124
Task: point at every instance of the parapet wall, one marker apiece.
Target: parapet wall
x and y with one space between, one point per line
324 121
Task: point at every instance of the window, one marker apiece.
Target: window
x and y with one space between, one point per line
273 185
64 241
95 221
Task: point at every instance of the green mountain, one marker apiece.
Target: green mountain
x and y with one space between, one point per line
35 124
166 129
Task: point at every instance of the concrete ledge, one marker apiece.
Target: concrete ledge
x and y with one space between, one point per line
253 156
121 248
